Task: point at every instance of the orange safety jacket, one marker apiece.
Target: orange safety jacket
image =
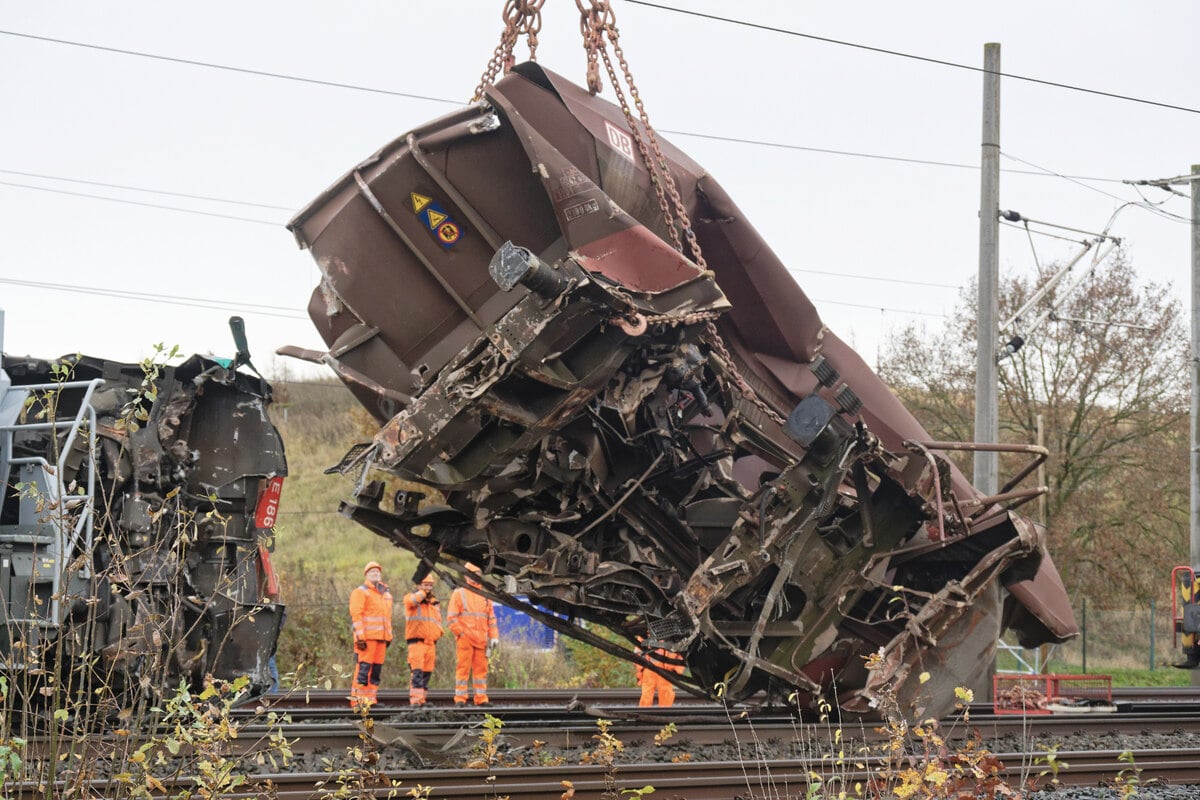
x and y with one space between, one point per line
422 619
371 613
473 615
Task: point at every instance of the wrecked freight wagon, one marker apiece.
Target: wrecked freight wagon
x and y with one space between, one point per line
135 523
676 453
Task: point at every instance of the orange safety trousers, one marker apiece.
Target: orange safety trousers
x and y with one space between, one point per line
368 669
652 682
470 660
422 657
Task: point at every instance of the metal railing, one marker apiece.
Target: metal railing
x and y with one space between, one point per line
68 537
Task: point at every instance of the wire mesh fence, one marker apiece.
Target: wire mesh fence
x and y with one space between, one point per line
1130 638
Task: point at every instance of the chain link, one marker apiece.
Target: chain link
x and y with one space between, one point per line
592 22
680 212
520 17
747 391
688 318
597 22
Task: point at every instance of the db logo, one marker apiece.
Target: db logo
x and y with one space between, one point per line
619 139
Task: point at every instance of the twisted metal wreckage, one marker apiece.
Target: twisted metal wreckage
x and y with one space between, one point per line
135 523
625 437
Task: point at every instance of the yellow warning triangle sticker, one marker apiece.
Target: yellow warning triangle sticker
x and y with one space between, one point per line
419 201
435 218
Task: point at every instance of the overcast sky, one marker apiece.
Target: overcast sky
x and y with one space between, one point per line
880 233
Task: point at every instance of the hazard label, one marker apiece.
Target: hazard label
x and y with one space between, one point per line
419 201
436 219
448 233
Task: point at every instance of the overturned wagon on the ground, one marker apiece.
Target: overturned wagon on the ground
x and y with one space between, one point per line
135 526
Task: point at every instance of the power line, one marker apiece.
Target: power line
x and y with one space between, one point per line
1153 206
734 139
1026 229
1044 172
873 278
144 205
1145 204
140 189
878 308
242 70
880 157
270 311
1064 177
195 302
827 151
913 56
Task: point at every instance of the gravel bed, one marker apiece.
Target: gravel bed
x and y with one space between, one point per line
807 741
745 745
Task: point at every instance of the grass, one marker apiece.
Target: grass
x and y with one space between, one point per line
1160 676
319 422
319 554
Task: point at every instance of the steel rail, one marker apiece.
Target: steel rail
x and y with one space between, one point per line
442 740
398 698
694 780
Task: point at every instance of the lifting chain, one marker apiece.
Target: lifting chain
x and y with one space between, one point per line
747 391
598 23
635 324
520 17
598 26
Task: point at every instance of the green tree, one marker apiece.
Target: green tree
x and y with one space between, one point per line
1114 401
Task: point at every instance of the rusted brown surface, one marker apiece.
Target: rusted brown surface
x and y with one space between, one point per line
604 418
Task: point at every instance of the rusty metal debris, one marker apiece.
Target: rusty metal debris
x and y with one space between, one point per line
135 523
663 449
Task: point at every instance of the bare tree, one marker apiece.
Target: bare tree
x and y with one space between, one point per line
1114 401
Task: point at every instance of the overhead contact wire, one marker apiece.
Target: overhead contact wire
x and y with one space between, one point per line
913 56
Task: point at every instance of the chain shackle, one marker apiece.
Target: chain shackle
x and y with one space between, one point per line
593 21
521 17
598 28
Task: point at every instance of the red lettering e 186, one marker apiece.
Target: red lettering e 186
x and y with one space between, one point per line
268 504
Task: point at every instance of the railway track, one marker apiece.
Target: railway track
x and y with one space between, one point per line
434 742
718 752
532 702
440 734
693 781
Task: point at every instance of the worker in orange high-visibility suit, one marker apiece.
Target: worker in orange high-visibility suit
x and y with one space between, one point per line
472 620
422 629
371 618
651 682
